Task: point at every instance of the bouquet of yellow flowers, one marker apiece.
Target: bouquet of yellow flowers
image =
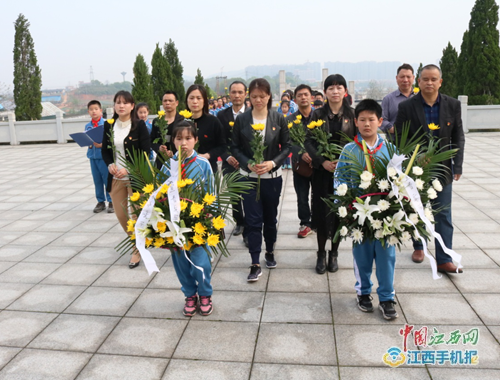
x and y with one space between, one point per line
322 137
258 148
297 133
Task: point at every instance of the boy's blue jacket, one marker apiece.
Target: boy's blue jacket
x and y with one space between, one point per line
199 170
94 153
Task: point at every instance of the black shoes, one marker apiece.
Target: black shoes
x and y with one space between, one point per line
332 261
255 273
321 262
101 206
238 230
365 303
111 209
132 265
270 262
387 309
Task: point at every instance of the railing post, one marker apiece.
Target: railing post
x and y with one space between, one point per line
463 104
59 128
12 128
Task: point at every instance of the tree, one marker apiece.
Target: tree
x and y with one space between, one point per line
417 75
462 64
448 64
27 74
375 90
160 74
142 89
482 84
171 54
199 78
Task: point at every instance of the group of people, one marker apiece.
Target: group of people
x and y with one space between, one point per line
228 136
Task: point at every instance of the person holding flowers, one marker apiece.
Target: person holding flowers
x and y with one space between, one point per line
211 138
124 136
365 250
330 124
261 143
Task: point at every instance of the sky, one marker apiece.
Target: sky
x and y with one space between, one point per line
226 35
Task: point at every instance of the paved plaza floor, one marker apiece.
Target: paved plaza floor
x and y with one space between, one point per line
70 308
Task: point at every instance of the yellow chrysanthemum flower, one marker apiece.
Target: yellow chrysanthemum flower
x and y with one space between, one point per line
199 229
149 188
320 122
231 123
187 246
132 237
433 126
161 113
162 226
131 225
170 240
299 117
188 181
159 194
312 125
184 205
181 183
159 242
198 240
196 209
135 197
416 90
149 242
296 121
258 127
143 204
186 114
164 189
209 199
218 223
290 125
212 240
110 121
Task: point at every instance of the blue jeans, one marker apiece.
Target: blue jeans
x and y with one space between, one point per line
385 260
302 186
100 175
262 213
191 278
443 226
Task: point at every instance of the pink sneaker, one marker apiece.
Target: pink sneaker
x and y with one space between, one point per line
190 306
304 231
206 305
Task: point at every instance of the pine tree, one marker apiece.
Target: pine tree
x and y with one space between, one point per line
462 64
483 58
171 54
27 74
199 78
417 75
142 89
160 74
448 64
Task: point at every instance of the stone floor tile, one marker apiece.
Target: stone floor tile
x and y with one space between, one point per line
165 279
42 215
297 308
122 276
20 225
47 298
58 225
111 367
464 373
484 240
296 259
75 274
435 308
14 215
343 281
219 341
401 373
477 258
31 206
486 306
75 215
283 242
4 265
104 301
206 370
60 206
353 348
495 330
236 279
92 225
45 365
53 254
10 292
494 254
478 280
158 303
293 372
236 306
17 253
72 239
108 239
95 255
19 328
38 238
346 311
297 280
11 237
75 333
6 355
144 337
296 344
238 258
30 273
420 280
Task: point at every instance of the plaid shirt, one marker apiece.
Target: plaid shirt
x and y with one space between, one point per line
432 113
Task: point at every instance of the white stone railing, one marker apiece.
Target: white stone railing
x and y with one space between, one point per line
59 129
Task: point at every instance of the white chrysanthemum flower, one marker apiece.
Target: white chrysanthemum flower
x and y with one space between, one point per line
419 183
364 185
357 235
342 212
405 237
383 205
376 224
342 190
392 172
417 170
431 193
383 185
428 214
366 176
437 185
344 231
379 234
392 240
413 218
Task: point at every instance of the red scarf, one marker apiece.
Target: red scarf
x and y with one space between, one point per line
183 166
95 124
371 152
